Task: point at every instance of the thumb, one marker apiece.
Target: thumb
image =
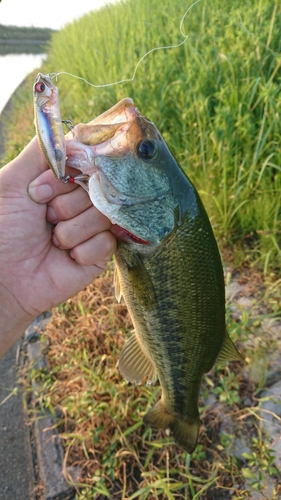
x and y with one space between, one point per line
16 175
30 163
47 187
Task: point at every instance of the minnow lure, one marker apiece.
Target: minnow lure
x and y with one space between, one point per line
48 124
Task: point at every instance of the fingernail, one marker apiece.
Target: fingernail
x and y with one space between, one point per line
51 215
40 193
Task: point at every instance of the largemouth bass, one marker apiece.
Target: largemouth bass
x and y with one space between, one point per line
168 266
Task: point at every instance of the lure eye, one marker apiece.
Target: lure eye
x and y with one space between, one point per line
40 87
147 150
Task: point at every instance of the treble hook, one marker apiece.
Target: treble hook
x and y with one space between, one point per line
69 124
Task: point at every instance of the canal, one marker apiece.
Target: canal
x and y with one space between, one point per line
14 68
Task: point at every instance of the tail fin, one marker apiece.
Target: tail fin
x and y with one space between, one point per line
185 431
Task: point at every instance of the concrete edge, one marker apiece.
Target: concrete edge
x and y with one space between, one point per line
49 450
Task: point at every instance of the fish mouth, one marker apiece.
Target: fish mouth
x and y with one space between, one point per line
114 133
124 235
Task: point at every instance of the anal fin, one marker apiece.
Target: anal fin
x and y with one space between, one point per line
134 364
228 351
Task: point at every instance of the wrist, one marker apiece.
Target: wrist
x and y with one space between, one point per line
13 321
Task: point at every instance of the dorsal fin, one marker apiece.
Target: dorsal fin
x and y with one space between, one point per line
134 364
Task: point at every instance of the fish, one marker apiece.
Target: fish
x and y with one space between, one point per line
168 267
48 123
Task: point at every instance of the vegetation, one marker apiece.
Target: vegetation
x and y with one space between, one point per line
217 102
23 40
100 415
216 99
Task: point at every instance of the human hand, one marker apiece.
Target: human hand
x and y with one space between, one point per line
41 264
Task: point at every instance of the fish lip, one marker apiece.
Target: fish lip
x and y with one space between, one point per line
123 111
115 132
119 122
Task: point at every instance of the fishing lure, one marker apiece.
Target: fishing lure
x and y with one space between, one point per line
48 124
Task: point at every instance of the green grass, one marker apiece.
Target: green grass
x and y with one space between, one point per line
216 100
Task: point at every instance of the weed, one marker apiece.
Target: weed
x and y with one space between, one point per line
262 457
228 386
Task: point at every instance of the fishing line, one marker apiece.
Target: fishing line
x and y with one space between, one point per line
125 80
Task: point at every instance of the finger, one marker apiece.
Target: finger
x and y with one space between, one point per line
68 206
46 186
67 234
95 251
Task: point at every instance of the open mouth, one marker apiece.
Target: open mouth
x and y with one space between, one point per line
125 235
110 134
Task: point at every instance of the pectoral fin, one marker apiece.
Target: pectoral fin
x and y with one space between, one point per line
228 351
134 364
117 285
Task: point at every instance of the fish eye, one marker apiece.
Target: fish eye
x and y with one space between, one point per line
147 150
40 87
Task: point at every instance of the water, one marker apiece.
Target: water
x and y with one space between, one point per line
14 68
